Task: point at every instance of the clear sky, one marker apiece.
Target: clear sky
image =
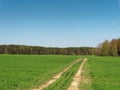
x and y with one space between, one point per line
59 23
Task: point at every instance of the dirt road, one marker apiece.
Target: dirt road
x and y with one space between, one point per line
56 77
77 78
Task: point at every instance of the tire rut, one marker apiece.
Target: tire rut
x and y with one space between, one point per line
77 78
56 77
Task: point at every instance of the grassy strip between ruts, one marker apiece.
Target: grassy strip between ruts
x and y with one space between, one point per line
66 79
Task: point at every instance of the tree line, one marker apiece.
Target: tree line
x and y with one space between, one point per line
24 49
106 48
109 48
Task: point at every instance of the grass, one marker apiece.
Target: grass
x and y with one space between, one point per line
101 73
22 72
65 80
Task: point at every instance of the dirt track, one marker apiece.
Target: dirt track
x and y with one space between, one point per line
77 78
56 77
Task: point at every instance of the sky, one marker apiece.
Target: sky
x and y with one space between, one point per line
59 23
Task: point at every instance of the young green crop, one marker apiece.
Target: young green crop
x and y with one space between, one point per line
63 82
22 72
101 73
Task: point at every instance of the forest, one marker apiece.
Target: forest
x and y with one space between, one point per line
109 48
106 48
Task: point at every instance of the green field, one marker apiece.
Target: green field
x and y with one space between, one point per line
101 73
21 72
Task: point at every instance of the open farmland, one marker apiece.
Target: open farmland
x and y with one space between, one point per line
27 72
22 72
101 73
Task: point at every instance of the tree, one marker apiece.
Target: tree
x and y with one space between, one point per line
113 47
105 48
118 46
5 50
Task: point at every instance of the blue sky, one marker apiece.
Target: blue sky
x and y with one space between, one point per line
59 23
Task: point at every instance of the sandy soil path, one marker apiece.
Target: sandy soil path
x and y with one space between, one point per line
77 78
56 77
